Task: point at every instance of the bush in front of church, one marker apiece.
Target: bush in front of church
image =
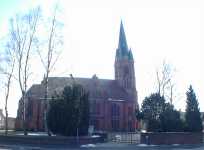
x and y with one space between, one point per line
68 113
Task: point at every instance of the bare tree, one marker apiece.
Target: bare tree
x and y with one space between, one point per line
7 70
171 87
51 55
22 36
165 80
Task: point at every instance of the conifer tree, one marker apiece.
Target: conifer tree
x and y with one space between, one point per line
193 115
69 112
159 115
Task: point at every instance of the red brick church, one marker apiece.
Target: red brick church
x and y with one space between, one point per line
112 102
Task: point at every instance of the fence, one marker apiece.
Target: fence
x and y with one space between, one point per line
124 137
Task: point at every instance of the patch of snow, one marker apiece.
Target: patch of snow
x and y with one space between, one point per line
144 145
34 134
38 134
88 145
175 144
118 138
143 131
95 136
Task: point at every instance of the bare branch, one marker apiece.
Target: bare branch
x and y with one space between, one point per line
55 61
22 39
7 69
41 58
165 81
50 59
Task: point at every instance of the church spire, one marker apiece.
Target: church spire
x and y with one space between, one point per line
130 56
124 66
122 45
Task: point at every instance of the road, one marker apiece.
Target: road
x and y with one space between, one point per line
105 146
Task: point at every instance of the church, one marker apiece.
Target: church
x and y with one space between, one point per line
112 102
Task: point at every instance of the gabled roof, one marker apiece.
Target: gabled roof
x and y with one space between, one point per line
97 88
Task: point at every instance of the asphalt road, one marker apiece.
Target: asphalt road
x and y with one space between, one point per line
106 146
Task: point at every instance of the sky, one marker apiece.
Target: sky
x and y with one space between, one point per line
155 30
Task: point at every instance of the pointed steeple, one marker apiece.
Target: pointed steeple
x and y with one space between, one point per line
124 66
130 56
122 45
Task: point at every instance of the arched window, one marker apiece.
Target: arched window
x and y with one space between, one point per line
130 127
95 108
115 125
115 110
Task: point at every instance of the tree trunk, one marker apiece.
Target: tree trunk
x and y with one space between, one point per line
24 116
6 100
6 121
46 108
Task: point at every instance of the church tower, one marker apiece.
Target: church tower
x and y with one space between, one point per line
124 65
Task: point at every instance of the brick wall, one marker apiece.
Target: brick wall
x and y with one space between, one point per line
171 138
103 116
48 140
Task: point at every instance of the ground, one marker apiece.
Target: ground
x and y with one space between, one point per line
100 146
106 146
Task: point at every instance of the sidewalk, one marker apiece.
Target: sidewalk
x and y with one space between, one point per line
105 146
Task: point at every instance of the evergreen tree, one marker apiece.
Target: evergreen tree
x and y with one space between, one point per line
170 120
159 115
193 115
69 112
152 108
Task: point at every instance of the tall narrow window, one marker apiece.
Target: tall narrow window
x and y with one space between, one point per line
115 110
96 124
130 125
29 112
115 124
98 109
129 111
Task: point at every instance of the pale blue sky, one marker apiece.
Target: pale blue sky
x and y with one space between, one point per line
155 30
8 8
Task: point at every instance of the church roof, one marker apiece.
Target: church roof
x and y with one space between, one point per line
122 44
122 50
97 88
